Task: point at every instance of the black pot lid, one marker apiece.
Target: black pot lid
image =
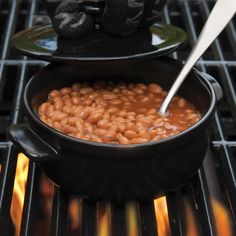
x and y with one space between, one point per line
42 42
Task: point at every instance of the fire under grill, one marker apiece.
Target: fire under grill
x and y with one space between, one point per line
31 205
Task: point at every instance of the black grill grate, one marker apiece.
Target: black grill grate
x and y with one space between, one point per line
216 180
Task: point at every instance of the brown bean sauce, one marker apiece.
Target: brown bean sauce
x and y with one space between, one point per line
116 113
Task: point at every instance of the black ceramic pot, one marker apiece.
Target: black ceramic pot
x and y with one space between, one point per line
111 171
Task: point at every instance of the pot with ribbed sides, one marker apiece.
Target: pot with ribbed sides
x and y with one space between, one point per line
110 171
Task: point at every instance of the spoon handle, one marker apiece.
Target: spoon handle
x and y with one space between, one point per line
221 14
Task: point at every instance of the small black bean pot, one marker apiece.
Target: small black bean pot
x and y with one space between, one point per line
110 171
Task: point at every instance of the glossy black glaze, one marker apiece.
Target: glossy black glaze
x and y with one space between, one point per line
121 172
43 43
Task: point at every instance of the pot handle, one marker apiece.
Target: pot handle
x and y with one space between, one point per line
31 144
216 86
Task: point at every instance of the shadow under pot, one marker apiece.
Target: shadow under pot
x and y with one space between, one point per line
101 171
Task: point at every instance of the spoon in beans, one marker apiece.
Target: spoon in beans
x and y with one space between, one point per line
221 14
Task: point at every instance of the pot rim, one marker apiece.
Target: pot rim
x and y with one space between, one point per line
113 146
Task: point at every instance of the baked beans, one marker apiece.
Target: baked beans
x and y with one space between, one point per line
119 113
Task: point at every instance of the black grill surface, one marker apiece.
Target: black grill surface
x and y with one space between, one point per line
49 211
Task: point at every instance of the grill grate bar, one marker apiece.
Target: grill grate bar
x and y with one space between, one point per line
118 220
31 203
59 213
89 220
202 201
148 219
6 188
230 176
10 28
175 212
167 20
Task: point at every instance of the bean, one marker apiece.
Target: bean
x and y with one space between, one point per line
72 121
80 127
88 127
56 125
132 99
119 119
131 118
124 99
138 90
103 123
43 108
106 115
138 140
79 135
142 110
69 129
86 137
116 90
113 110
110 136
151 111
130 134
126 104
93 96
75 100
143 133
115 101
192 116
142 86
121 127
122 113
154 88
84 114
131 113
63 122
65 91
86 90
181 102
95 138
100 132
122 139
125 91
58 105
54 94
87 102
67 110
109 95
130 126
145 100
49 122
94 117
50 110
151 96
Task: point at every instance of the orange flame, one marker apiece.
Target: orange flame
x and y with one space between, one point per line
222 218
19 191
162 217
133 229
103 226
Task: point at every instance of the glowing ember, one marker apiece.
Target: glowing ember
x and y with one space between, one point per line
19 191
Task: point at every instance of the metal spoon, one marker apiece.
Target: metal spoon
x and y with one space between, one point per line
221 14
